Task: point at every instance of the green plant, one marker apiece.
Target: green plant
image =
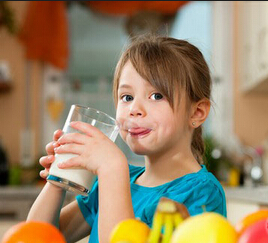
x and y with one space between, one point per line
216 159
210 161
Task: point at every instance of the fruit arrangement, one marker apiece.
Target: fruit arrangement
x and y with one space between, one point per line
172 223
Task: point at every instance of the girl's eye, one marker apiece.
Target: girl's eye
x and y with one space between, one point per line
127 98
156 96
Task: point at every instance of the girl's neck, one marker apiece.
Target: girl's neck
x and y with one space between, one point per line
160 169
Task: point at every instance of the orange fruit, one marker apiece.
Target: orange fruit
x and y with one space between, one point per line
250 219
130 230
33 232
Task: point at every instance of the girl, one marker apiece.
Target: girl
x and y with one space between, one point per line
162 95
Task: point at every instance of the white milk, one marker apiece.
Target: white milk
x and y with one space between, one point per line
77 179
79 176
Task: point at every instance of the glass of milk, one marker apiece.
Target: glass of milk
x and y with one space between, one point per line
80 180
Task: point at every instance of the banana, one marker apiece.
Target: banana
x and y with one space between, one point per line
155 232
166 206
177 219
168 215
168 227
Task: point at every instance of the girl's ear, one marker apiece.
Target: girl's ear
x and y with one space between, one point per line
199 112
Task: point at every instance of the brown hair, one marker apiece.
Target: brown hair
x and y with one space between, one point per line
170 65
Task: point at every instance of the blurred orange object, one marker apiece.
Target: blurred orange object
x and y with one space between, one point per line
33 232
132 7
45 32
250 219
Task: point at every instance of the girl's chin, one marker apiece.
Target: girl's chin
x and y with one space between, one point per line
139 150
139 147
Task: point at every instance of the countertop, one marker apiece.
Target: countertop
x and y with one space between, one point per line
16 201
258 194
11 197
253 194
19 192
23 192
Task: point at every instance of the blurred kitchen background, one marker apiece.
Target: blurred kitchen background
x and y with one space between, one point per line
54 54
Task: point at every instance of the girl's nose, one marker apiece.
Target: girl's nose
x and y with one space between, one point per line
137 110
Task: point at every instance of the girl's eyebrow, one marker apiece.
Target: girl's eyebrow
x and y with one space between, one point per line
124 86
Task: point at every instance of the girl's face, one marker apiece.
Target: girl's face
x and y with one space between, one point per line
148 124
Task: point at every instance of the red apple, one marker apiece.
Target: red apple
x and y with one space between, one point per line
255 233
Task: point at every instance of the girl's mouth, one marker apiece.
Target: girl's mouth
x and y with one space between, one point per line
139 131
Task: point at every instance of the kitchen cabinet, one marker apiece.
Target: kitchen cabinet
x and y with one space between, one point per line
253 27
242 201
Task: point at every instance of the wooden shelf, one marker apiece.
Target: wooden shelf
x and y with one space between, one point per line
5 86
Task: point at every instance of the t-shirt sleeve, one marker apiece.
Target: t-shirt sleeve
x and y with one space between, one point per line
205 195
89 204
198 195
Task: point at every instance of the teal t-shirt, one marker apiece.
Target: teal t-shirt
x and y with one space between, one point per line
193 190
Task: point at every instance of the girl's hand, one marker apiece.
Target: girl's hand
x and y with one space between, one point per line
46 161
94 149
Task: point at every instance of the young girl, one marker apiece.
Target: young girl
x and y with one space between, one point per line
162 94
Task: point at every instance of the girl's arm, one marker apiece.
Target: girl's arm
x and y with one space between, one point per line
48 205
101 156
49 202
72 223
114 197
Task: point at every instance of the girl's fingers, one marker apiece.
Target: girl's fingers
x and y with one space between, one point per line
46 161
44 173
85 128
50 148
77 138
73 162
70 148
57 134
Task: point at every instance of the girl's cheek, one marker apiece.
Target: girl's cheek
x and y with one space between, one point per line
123 135
121 115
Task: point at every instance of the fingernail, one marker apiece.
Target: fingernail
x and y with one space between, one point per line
73 123
60 164
55 144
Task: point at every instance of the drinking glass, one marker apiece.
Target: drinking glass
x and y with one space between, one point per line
79 180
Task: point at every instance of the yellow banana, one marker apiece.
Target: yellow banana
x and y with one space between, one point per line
166 206
168 227
155 232
168 215
177 219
